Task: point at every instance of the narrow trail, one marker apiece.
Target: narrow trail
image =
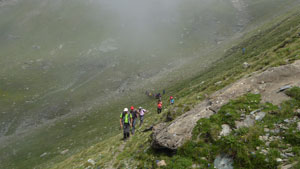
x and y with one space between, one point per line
120 149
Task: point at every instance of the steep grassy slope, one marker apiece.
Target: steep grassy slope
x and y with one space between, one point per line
276 43
55 57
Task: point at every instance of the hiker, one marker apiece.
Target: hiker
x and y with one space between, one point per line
164 91
172 100
126 123
244 50
158 96
134 114
159 106
141 114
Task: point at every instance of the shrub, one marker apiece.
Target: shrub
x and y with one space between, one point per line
178 162
294 93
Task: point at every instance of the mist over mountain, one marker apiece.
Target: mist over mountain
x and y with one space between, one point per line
60 58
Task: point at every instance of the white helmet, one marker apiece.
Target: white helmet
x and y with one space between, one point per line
140 107
126 110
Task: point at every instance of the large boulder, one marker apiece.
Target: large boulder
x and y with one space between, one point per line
267 83
173 135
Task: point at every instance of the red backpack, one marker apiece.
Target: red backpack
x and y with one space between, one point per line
159 105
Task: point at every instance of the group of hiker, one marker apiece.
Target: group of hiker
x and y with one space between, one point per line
128 119
153 95
159 104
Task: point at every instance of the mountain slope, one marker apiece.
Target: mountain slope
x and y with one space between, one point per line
274 44
67 68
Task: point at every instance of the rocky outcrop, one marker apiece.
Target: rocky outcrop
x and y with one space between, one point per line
267 83
173 135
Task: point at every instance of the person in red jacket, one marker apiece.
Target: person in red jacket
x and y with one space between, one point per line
159 106
172 101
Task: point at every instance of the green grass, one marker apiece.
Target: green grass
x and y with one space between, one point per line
264 50
241 144
277 43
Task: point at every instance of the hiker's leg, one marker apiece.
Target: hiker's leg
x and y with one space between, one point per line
142 119
133 126
126 130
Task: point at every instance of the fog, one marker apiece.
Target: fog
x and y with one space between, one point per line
60 58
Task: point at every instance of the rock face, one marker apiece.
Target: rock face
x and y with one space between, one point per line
223 162
175 134
267 83
260 116
248 122
226 130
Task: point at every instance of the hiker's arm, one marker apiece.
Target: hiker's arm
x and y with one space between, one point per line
121 125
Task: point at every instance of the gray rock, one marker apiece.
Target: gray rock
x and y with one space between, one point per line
218 83
91 161
223 162
290 154
266 130
283 88
195 166
286 121
226 130
248 122
284 127
161 163
260 116
288 166
255 111
44 154
279 160
283 155
275 131
298 126
246 65
64 152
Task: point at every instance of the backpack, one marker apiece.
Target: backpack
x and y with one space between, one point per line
159 105
134 114
123 117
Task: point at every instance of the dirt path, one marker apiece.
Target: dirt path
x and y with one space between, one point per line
120 149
